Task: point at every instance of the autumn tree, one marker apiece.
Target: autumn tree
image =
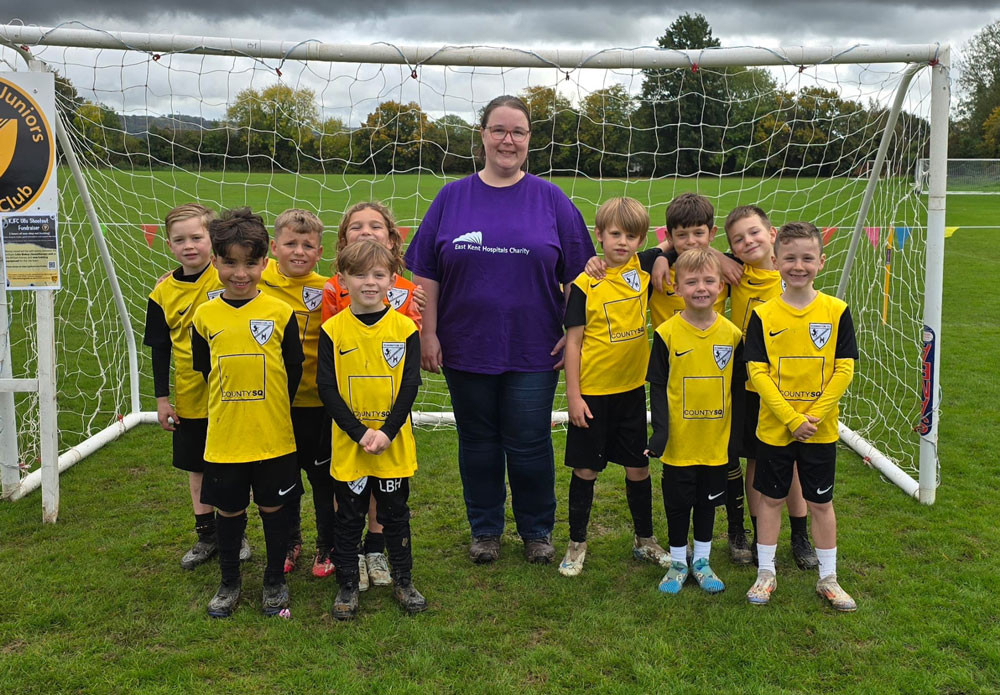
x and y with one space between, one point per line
274 128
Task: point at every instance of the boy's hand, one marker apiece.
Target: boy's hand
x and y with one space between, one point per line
376 443
579 413
661 274
420 298
555 351
162 278
430 351
595 268
806 429
732 271
166 415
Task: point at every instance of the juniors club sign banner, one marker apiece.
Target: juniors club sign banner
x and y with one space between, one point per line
27 143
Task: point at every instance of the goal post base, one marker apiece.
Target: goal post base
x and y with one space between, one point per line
880 462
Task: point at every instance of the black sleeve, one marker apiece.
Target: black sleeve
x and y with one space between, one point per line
847 343
648 257
291 355
657 375
755 350
408 387
576 307
161 371
326 383
738 393
730 255
201 356
671 256
157 333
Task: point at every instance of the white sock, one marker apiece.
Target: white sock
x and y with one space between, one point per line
827 561
679 554
765 556
702 549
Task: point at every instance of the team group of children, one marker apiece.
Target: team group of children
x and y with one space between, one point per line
278 369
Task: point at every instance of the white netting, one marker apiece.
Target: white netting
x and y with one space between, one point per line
156 131
965 176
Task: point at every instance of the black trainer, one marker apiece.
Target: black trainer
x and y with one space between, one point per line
345 605
739 548
225 600
201 552
275 598
409 598
803 553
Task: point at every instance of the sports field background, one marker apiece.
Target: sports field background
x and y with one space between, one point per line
98 603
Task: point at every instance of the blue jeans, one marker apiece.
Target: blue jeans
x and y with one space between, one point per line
504 425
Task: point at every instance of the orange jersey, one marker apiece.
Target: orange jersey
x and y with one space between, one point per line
400 298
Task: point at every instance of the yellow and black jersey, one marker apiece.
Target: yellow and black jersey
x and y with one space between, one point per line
696 392
801 362
305 296
169 313
756 287
612 312
663 305
244 347
368 374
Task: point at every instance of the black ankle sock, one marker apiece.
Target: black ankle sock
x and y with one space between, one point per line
276 542
581 499
639 494
798 524
204 525
229 531
374 542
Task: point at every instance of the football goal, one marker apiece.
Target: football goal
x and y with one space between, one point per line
148 122
965 176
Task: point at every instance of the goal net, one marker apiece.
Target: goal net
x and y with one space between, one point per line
158 121
965 176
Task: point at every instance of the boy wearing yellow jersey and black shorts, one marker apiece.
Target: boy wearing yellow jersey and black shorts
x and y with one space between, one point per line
368 374
606 352
246 344
696 380
800 351
168 329
751 238
297 248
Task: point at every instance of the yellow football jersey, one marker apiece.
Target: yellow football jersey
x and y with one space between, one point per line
802 350
615 345
179 300
305 296
699 369
249 416
757 286
663 305
368 361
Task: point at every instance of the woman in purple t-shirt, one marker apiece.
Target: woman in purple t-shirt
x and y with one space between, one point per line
494 253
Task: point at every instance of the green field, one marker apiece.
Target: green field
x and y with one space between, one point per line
99 604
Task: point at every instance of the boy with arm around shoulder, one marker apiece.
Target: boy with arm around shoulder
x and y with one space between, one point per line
368 375
800 350
606 349
696 379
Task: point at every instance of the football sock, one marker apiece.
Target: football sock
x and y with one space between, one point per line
276 541
765 556
639 494
204 525
679 554
374 542
325 515
734 497
704 521
827 561
702 549
581 499
678 523
293 516
798 524
229 531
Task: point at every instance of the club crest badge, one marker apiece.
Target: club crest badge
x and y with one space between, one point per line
722 355
312 298
820 334
397 297
215 293
358 486
261 330
631 278
393 352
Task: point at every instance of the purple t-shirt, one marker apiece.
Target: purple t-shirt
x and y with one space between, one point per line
500 255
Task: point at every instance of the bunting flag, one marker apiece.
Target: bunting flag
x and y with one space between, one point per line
661 234
150 231
901 235
403 232
948 231
828 233
888 274
873 234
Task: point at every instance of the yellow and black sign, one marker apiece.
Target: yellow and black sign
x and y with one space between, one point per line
27 146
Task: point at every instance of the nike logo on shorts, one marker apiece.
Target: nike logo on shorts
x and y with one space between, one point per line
282 493
716 496
317 462
824 491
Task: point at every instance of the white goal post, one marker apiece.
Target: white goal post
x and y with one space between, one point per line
152 121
